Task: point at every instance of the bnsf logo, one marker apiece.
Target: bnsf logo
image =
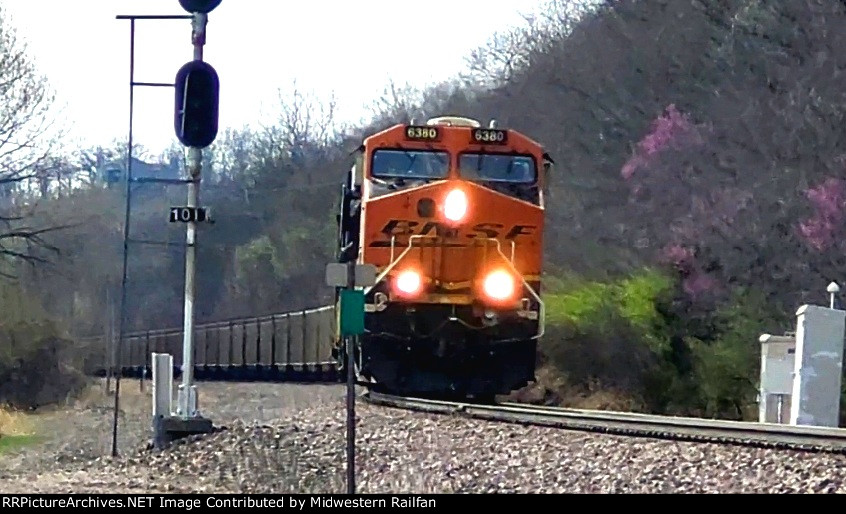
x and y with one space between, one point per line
400 228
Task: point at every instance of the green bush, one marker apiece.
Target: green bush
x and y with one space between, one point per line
643 338
607 335
726 369
37 365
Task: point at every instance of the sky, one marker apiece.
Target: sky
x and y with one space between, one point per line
347 48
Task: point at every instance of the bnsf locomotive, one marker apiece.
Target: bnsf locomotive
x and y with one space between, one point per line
452 215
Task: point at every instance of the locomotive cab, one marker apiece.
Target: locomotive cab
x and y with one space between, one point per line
451 214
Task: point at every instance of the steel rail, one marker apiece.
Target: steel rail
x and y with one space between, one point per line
806 438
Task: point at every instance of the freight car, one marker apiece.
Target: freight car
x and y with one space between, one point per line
292 346
451 213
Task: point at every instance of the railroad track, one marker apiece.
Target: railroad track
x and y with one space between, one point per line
806 438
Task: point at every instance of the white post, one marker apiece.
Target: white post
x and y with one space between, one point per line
162 385
818 365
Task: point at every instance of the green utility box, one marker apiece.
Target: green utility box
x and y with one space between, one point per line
352 312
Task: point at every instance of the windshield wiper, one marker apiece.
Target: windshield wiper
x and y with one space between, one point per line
411 159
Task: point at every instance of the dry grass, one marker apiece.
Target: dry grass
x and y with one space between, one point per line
17 430
604 400
16 422
13 423
551 388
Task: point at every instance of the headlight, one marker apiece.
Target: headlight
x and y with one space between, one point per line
408 282
499 285
455 205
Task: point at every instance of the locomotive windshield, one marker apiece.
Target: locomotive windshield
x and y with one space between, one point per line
518 169
410 164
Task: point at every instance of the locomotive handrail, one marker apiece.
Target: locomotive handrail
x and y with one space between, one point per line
541 308
393 244
394 262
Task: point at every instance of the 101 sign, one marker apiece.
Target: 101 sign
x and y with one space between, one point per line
188 214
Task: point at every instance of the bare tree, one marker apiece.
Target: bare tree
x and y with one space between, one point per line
26 104
305 125
511 52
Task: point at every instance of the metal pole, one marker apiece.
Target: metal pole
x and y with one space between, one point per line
128 177
144 360
110 337
187 407
187 401
350 394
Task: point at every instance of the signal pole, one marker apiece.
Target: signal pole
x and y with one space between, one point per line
196 124
187 403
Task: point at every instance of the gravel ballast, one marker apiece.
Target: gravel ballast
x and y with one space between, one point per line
282 438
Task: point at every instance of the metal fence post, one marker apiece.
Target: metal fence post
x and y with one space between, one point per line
288 364
305 340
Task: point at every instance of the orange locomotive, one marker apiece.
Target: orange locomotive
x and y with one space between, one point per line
452 216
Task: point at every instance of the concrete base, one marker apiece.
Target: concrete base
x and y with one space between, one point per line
169 429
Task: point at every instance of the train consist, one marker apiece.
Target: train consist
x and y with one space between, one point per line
292 346
451 213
